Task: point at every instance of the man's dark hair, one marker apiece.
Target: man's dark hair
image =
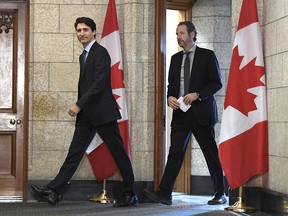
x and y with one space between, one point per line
87 21
190 28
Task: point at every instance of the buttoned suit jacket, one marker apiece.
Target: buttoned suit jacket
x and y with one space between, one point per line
95 96
205 79
99 111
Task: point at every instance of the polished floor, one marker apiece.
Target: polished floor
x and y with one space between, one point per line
183 205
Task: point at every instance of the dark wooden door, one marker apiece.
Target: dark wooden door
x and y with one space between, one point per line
13 100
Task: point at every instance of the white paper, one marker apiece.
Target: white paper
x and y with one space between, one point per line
184 107
96 141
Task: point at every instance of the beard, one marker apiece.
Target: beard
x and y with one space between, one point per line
180 43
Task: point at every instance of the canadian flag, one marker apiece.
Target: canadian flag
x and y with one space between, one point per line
100 158
243 146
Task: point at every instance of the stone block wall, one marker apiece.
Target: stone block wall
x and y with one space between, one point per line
276 62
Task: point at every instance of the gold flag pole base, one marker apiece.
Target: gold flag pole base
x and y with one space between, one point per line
239 206
103 198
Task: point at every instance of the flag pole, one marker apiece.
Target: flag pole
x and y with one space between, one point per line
103 198
239 206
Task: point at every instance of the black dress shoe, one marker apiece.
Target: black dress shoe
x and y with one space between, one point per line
158 196
218 199
126 200
45 194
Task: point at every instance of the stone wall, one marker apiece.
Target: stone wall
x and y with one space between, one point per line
276 62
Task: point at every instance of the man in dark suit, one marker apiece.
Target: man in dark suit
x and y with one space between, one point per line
203 81
96 110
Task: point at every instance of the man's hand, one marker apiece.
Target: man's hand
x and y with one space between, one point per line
173 103
74 110
189 98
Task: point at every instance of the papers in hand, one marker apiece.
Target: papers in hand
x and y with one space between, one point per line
184 107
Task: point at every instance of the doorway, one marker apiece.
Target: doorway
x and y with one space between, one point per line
13 99
182 10
173 17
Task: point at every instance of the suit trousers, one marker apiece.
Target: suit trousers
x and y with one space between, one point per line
83 135
182 125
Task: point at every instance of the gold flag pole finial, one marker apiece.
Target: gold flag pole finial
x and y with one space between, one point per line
239 206
103 198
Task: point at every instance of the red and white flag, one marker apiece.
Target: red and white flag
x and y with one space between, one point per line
243 146
99 156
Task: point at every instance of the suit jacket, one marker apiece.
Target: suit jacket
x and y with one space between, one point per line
95 96
205 79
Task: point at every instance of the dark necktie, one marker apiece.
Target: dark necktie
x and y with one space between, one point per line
83 57
186 73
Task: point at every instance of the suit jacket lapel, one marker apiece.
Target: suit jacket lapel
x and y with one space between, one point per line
177 71
81 66
195 65
179 64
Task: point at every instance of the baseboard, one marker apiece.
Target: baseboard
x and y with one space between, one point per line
262 199
202 185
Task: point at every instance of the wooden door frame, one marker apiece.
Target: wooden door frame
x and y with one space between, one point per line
160 68
160 50
26 99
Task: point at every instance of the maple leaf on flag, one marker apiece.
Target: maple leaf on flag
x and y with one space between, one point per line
240 80
117 81
116 76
